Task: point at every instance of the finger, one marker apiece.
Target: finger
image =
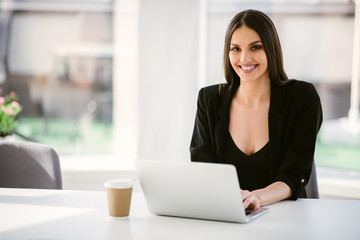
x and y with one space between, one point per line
247 202
252 202
255 204
245 194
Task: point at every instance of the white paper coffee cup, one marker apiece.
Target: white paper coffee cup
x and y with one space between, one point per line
119 193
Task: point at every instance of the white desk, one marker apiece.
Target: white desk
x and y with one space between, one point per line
56 214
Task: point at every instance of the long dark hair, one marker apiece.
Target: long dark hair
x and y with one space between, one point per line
264 27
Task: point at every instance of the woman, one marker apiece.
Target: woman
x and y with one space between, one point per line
259 121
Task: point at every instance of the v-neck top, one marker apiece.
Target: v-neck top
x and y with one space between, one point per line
252 170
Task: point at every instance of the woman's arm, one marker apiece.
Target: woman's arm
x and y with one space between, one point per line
201 148
296 149
273 193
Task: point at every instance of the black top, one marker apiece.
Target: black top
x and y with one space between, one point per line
295 117
252 170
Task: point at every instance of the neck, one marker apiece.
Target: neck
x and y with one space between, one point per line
253 94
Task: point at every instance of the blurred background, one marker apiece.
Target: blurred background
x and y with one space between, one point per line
105 82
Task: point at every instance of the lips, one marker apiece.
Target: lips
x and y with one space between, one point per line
248 68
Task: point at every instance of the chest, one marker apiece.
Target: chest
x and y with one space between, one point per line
249 128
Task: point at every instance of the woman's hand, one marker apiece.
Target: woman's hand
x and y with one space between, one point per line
250 200
273 193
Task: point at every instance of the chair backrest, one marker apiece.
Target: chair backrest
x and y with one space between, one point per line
311 189
29 165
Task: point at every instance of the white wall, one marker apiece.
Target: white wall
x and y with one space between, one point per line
125 77
168 63
318 48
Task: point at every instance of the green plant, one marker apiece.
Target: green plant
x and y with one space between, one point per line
9 109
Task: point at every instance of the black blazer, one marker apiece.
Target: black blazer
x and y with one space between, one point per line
295 117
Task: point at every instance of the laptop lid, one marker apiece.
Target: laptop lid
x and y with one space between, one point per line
193 190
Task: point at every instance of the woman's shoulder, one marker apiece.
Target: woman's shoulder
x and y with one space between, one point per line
214 91
302 88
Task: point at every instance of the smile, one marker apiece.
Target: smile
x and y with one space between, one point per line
248 68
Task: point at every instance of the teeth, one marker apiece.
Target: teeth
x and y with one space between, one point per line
247 68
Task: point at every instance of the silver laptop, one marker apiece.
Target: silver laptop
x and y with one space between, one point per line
193 190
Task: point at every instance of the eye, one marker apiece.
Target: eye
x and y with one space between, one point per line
235 49
256 47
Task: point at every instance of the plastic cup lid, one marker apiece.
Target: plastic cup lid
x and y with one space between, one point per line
119 183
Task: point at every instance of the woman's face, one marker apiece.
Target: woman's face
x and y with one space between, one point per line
247 55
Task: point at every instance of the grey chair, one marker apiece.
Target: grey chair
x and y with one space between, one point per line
311 189
29 165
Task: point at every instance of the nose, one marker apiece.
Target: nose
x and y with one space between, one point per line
245 56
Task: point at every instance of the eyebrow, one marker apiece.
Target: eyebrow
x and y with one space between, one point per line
252 43
255 42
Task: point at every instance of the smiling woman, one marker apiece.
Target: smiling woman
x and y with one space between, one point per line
247 56
259 121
